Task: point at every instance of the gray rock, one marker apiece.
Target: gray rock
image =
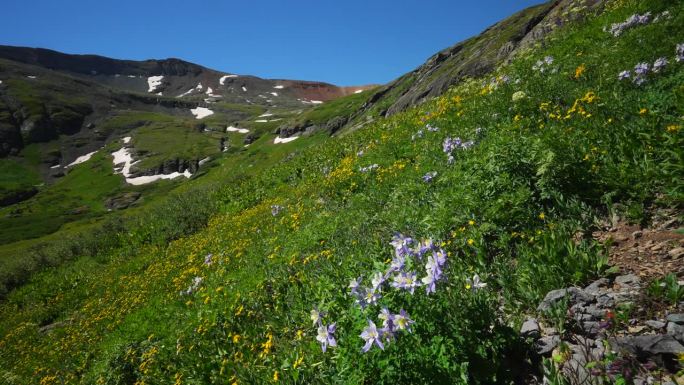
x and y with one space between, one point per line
605 301
676 331
574 295
595 312
596 286
648 345
530 329
628 280
677 318
654 324
545 345
592 328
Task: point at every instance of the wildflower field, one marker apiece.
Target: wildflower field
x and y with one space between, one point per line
406 252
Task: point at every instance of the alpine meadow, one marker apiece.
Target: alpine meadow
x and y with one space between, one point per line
509 212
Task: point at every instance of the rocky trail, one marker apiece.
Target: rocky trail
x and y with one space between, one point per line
628 325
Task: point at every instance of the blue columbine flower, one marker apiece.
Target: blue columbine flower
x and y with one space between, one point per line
401 245
402 321
370 297
642 68
427 178
431 128
616 29
316 316
377 281
406 281
430 281
423 247
680 52
624 75
417 135
440 257
659 64
354 285
387 318
371 336
475 284
325 336
208 259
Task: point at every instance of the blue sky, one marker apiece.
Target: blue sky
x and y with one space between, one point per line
345 42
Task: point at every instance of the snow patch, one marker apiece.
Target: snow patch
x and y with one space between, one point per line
311 101
261 121
205 160
186 93
81 159
279 87
56 166
237 129
127 140
273 93
31 77
358 91
284 140
222 81
124 157
199 87
265 115
153 82
201 112
210 92
244 88
131 76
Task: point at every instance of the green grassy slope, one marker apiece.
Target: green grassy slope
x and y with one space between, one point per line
544 164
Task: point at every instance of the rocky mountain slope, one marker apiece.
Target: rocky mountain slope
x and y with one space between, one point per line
476 56
472 58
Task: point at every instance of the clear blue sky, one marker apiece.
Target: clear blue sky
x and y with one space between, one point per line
346 42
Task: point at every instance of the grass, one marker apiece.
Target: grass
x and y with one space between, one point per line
507 209
15 177
342 107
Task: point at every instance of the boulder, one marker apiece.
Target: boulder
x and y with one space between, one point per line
676 331
654 324
596 286
677 318
573 295
545 345
122 201
648 345
530 328
627 280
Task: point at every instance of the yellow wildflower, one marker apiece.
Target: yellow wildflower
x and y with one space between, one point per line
276 376
471 222
579 71
471 241
643 111
542 216
236 338
672 128
298 362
